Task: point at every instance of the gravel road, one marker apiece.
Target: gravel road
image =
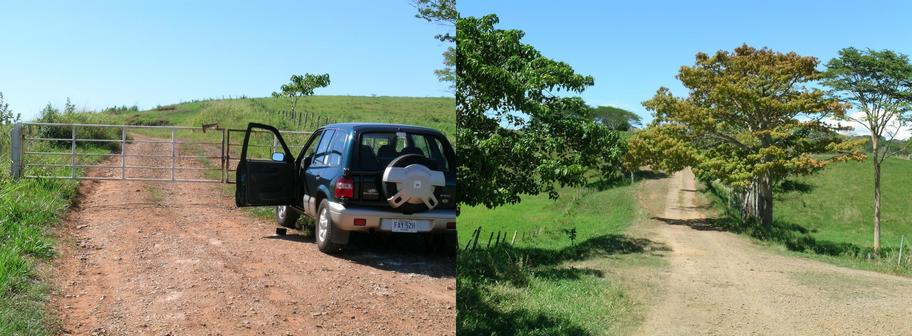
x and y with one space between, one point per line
722 284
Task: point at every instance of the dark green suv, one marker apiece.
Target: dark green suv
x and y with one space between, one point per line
356 177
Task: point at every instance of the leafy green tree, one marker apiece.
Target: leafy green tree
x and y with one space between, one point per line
49 114
442 12
300 86
6 114
749 120
616 118
515 135
879 85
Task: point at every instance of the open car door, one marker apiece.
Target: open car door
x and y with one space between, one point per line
262 182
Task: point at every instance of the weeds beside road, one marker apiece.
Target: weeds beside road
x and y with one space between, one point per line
545 283
29 208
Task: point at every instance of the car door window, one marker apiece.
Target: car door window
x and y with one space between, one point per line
311 147
336 146
319 159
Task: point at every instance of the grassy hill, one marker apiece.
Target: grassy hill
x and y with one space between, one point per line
437 113
837 204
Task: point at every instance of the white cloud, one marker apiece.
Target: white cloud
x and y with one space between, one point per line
902 133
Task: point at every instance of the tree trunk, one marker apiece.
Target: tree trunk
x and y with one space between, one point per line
757 202
876 151
765 200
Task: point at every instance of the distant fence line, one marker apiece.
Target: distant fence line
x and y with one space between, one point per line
305 119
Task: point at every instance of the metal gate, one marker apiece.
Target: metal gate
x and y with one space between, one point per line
133 153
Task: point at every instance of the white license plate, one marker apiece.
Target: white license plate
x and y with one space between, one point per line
404 225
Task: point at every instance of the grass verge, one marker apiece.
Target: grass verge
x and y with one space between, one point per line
546 283
29 208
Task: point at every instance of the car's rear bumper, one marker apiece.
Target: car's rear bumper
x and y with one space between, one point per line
344 217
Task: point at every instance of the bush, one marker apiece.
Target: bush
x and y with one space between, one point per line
52 115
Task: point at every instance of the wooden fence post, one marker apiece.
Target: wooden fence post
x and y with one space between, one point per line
901 241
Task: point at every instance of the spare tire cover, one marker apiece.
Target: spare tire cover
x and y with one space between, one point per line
409 182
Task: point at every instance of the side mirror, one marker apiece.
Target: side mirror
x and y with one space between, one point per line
278 156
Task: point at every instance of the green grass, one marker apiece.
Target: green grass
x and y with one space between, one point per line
839 205
545 284
829 216
437 113
30 208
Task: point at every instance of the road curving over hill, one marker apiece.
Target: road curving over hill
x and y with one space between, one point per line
721 284
162 258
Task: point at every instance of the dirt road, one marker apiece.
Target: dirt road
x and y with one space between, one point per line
159 258
722 284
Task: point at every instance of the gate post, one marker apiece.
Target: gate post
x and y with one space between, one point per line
16 151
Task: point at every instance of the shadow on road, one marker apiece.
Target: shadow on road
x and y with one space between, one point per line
402 253
700 224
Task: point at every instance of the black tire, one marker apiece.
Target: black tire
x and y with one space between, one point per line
286 216
389 189
324 230
281 231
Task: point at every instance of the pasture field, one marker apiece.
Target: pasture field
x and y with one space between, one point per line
437 113
829 216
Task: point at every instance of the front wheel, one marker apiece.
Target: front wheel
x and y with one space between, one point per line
324 229
286 216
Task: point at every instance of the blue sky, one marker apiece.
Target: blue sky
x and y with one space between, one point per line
632 48
104 53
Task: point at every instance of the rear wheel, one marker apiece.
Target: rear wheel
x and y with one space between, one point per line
323 229
286 216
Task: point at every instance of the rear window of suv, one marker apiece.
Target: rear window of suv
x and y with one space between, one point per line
378 149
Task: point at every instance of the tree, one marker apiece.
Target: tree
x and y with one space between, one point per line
616 118
748 120
6 114
515 135
442 12
879 85
68 107
302 86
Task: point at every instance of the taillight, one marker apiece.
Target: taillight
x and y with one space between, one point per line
360 222
345 187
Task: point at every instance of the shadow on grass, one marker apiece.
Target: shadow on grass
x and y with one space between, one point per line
516 266
793 236
792 185
476 316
